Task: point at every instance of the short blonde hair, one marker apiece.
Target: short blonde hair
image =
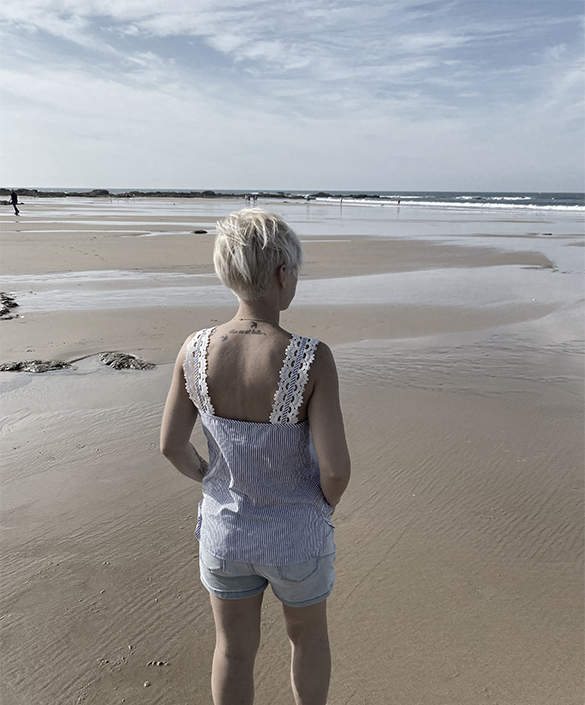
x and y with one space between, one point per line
249 246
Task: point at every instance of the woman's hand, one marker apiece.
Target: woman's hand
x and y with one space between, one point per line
203 465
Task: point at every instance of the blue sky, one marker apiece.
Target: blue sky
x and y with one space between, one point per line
328 94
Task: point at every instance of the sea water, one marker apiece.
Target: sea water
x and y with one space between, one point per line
551 224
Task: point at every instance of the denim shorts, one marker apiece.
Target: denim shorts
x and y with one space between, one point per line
298 585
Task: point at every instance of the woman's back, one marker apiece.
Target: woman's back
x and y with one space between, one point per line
262 500
245 359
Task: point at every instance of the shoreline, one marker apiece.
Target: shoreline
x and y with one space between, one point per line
504 202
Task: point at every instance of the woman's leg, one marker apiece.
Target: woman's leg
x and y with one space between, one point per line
311 658
237 630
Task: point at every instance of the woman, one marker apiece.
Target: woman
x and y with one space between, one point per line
278 460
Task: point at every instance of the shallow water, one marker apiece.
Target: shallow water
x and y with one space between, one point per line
478 286
557 235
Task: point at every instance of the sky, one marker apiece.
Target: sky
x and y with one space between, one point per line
370 95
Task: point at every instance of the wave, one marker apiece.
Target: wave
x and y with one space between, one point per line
495 198
471 203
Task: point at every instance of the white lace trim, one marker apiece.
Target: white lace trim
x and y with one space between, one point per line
293 378
195 369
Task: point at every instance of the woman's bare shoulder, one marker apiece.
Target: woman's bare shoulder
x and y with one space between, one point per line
324 363
188 340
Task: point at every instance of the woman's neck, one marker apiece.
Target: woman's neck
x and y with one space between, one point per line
258 311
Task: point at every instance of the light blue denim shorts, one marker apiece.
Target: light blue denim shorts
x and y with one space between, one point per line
298 585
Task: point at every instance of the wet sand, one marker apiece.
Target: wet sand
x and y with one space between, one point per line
459 340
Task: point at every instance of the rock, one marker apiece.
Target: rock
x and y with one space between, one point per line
98 192
104 193
35 366
6 303
125 361
200 232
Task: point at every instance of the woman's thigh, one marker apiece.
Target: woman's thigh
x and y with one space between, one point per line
304 623
237 623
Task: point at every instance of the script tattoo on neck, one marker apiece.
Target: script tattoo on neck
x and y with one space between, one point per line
252 330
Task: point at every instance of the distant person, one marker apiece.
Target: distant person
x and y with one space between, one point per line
14 201
269 406
398 202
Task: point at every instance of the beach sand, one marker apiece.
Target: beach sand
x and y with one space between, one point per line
459 341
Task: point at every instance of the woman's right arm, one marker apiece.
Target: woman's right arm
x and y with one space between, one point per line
326 422
178 420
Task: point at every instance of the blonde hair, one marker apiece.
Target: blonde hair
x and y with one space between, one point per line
249 246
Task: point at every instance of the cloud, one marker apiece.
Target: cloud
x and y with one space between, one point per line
240 83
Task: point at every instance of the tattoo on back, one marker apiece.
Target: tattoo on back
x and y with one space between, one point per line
252 330
248 331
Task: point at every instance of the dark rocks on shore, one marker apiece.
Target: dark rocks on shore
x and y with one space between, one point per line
275 194
354 196
35 366
117 360
124 361
200 232
6 303
104 193
96 193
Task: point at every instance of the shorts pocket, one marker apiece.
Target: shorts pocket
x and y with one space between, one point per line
211 562
299 571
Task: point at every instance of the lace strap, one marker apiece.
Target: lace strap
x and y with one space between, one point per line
293 378
195 369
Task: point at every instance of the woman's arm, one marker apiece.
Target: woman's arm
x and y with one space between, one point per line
326 422
178 420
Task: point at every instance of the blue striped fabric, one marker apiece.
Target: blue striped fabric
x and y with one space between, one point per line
262 500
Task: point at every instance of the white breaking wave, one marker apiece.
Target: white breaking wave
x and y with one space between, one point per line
453 204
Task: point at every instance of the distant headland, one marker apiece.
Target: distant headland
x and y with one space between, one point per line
104 193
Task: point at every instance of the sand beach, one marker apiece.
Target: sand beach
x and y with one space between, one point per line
459 338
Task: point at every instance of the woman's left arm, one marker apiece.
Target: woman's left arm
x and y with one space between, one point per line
178 421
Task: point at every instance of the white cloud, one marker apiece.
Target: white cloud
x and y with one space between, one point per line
283 95
432 40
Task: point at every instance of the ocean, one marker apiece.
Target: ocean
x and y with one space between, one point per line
443 199
458 199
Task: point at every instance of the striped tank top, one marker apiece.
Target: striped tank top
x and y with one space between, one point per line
262 500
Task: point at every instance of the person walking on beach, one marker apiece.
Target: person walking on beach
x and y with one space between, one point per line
14 201
269 406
